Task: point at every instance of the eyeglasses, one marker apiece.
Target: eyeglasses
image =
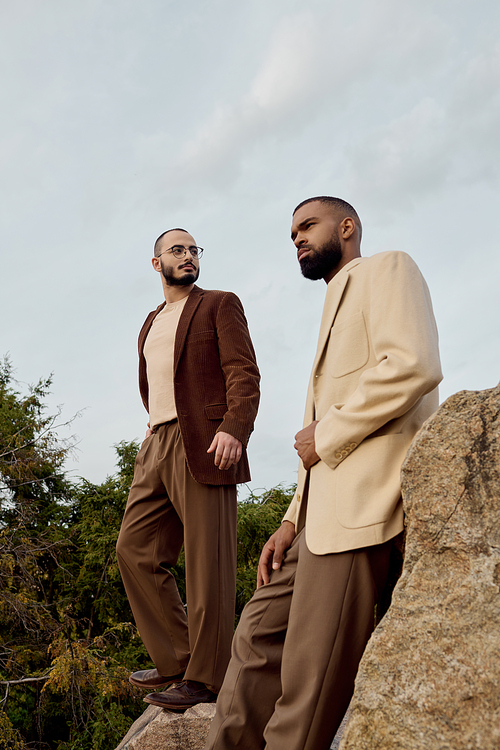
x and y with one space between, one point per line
179 251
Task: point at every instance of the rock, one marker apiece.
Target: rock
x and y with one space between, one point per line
340 731
158 729
430 675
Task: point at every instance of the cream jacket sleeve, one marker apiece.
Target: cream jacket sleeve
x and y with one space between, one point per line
390 312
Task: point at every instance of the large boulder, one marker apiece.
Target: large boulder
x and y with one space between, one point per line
430 676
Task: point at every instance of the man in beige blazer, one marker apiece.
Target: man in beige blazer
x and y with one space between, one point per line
374 381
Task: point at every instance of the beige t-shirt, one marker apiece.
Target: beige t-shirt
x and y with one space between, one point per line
159 355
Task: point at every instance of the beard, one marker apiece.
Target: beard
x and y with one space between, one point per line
188 277
322 261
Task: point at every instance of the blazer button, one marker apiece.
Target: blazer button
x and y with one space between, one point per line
338 456
353 445
298 498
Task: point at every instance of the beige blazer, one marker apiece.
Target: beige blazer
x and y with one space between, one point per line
373 383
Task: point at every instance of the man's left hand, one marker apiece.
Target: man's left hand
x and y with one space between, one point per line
227 450
305 445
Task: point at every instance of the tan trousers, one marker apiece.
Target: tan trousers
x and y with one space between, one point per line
296 651
166 508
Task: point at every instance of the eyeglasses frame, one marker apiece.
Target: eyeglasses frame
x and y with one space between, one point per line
187 250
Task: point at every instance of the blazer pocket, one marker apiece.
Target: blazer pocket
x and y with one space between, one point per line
200 336
215 411
367 483
348 349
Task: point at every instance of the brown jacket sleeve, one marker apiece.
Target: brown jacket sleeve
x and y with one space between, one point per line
239 367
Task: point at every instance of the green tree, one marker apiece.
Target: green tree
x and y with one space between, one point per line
33 512
10 738
66 642
97 515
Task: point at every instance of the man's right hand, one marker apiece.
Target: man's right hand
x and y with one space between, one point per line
272 553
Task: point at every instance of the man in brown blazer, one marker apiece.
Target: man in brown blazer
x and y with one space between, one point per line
373 383
199 382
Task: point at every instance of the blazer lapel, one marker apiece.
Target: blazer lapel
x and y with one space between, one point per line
189 310
334 294
333 298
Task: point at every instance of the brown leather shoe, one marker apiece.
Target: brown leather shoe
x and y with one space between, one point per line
181 696
151 678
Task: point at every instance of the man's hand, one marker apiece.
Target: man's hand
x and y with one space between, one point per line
149 432
273 551
227 450
305 445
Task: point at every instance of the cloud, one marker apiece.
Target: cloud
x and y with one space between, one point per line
323 64
403 159
291 62
282 85
474 111
453 137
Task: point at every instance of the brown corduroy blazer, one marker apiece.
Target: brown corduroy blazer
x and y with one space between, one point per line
216 380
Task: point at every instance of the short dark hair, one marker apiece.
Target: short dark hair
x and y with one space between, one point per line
338 206
158 241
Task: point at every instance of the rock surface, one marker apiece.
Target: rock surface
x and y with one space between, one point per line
158 728
430 676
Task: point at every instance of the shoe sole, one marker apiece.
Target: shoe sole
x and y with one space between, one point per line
142 685
171 707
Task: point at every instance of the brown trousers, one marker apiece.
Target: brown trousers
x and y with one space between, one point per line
296 651
166 508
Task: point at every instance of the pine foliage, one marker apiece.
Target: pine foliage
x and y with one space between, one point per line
258 517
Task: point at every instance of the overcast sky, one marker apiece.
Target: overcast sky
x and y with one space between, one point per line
121 118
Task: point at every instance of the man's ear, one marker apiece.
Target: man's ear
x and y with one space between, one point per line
347 227
156 264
